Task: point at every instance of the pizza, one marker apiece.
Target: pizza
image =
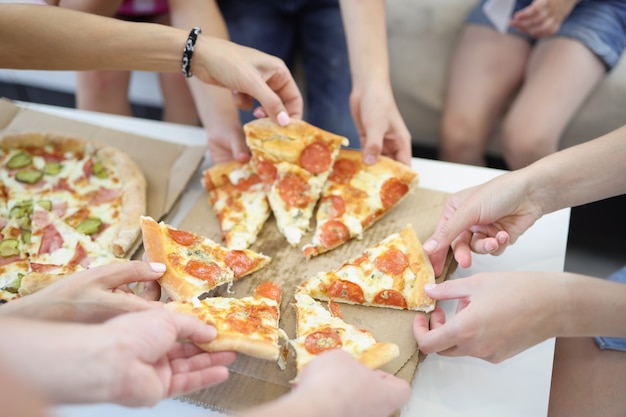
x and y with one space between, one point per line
195 264
391 273
246 325
355 196
238 199
293 162
66 204
319 330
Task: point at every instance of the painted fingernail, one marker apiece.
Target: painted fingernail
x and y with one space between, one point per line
431 245
430 286
283 118
157 267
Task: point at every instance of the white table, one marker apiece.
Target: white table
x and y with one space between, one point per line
443 386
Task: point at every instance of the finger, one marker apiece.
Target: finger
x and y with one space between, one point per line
191 328
242 100
123 273
192 381
151 291
462 250
372 143
449 290
431 340
259 113
437 318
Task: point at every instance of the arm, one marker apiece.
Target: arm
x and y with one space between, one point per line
487 218
377 118
531 307
133 360
65 40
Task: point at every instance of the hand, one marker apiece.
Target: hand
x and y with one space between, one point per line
250 73
92 295
344 387
380 125
543 17
498 315
483 219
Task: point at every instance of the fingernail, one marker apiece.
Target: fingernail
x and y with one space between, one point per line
283 118
430 286
431 245
157 267
369 159
490 248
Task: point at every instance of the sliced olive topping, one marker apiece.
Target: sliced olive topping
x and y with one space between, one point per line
99 170
89 226
9 247
52 168
29 176
19 160
45 204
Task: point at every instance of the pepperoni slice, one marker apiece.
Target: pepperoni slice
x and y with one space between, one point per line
239 262
335 205
316 157
267 171
181 237
207 271
245 184
333 232
392 262
334 308
346 290
343 170
321 341
294 190
390 298
391 191
243 322
268 289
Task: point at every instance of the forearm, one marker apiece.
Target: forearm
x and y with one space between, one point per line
84 42
366 33
581 174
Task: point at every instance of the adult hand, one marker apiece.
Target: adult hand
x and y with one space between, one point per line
344 387
250 74
379 124
484 219
543 18
498 315
93 295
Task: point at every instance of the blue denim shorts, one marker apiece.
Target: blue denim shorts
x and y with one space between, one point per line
614 343
310 31
600 25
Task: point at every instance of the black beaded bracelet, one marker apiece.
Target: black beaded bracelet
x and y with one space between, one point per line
190 45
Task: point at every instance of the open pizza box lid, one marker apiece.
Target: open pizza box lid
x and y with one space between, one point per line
168 167
254 381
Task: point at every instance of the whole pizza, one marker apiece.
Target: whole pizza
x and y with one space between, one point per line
66 204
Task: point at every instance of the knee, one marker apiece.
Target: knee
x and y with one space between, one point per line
523 144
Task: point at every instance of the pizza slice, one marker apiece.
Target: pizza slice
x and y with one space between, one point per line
13 259
293 162
318 330
246 325
391 273
355 196
195 264
237 196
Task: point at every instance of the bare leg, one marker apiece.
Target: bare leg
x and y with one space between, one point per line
103 91
178 104
587 381
561 74
485 71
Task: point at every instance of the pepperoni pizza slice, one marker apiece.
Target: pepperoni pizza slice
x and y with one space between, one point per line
391 273
355 196
195 264
294 162
246 325
238 198
319 330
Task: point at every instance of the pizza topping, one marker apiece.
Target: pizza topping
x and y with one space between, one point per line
334 205
52 168
243 322
322 340
346 290
343 170
51 240
268 289
99 171
13 286
28 176
244 184
9 248
294 190
80 256
333 232
267 171
181 237
239 262
334 309
392 261
19 160
391 191
316 158
208 271
89 226
390 298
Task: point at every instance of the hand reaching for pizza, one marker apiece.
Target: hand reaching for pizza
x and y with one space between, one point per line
93 295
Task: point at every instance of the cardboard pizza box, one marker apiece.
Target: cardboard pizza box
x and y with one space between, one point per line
168 166
254 381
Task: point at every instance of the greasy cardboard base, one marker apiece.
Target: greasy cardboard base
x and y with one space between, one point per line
167 166
255 381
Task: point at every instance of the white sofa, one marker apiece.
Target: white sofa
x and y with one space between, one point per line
422 35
